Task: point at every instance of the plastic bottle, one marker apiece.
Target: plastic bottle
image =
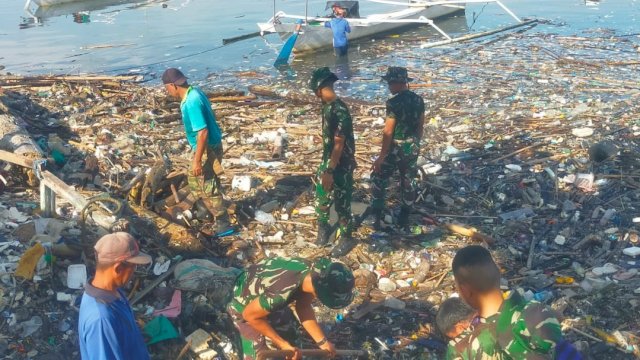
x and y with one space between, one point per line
394 303
422 271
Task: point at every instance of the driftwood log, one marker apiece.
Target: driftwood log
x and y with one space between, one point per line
357 107
16 140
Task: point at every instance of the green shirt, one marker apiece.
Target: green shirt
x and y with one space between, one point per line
197 115
407 108
336 121
520 330
272 281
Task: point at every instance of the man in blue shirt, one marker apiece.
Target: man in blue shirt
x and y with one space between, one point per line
205 138
107 328
340 27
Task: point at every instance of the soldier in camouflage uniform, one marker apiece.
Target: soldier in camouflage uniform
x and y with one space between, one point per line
335 174
401 138
510 328
264 291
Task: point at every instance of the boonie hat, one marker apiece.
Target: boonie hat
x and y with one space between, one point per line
120 246
333 283
396 74
173 76
319 76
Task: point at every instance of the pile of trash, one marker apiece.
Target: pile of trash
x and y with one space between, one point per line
530 147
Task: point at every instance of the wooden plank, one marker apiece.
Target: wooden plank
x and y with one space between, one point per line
78 201
16 159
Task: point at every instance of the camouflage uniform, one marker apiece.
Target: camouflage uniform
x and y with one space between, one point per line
520 330
406 107
274 282
527 330
336 121
207 186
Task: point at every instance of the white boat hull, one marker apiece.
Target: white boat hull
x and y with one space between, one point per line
317 36
55 2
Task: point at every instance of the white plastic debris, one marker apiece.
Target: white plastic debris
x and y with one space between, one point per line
513 167
386 284
241 182
76 276
582 132
560 240
632 251
161 265
264 218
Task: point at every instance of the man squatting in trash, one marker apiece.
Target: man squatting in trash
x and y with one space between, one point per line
262 295
510 328
205 138
335 174
401 137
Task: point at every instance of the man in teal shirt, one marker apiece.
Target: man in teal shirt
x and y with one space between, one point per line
205 138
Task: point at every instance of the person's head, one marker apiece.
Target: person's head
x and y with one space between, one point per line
339 10
475 273
333 283
117 256
173 80
397 79
321 83
454 316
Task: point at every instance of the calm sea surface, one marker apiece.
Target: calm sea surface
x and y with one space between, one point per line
134 36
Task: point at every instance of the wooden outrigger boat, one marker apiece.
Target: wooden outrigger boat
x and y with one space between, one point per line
314 35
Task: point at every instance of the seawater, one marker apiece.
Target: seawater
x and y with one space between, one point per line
144 37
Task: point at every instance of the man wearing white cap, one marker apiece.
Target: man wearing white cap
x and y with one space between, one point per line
106 327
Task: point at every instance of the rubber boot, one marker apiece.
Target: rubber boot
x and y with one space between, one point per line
403 217
343 247
324 231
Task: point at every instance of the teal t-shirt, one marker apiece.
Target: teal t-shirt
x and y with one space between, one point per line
197 115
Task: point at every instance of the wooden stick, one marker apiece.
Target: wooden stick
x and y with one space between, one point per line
444 274
517 152
16 159
153 284
184 350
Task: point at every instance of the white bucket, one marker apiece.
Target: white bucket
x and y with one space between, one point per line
76 276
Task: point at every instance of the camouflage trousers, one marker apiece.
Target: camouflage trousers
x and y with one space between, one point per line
403 157
340 195
207 186
283 321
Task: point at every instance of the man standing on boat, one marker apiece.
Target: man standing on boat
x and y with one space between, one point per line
340 27
205 138
335 174
403 129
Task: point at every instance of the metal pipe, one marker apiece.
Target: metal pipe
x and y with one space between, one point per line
281 354
306 11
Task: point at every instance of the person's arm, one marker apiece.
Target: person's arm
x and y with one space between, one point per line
201 144
256 316
347 27
327 24
387 138
336 153
307 317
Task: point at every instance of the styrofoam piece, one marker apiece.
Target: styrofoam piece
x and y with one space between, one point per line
76 276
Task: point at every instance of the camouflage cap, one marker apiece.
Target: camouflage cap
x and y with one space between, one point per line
319 76
333 283
396 74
